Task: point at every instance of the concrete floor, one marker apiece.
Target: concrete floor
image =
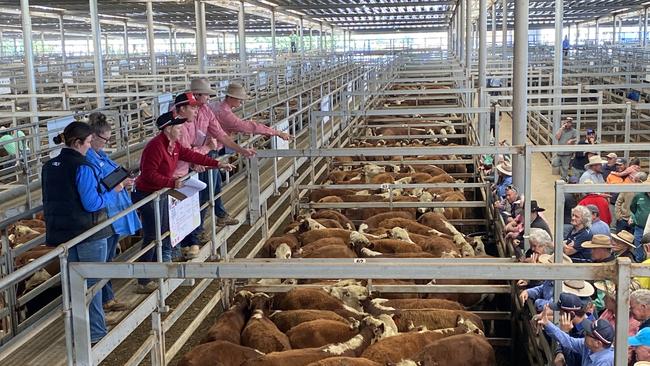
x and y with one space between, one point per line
543 179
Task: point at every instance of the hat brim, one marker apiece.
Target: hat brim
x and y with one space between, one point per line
590 245
500 168
590 164
537 209
586 291
174 122
238 96
204 91
616 237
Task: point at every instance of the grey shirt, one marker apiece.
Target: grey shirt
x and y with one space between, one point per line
565 137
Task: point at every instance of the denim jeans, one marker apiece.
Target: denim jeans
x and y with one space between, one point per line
148 216
639 252
622 224
111 246
92 251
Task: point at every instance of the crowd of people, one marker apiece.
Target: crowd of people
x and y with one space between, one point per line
80 189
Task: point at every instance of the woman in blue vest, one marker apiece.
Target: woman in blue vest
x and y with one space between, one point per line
119 199
73 203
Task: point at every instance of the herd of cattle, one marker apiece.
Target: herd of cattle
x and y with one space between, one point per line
322 322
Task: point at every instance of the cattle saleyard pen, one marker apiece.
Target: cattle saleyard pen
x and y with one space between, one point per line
373 233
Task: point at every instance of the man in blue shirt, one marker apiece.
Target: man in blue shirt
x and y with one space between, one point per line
565 45
595 349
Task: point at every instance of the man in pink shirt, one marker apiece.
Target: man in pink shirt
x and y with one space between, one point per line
202 133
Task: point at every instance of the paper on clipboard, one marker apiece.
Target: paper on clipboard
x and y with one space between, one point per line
189 188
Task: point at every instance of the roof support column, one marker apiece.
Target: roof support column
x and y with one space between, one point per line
242 35
519 89
577 34
302 38
126 41
274 54
482 69
171 40
311 35
504 28
597 32
320 38
151 38
557 65
614 40
461 31
199 12
29 57
97 53
644 38
64 58
494 28
105 44
468 38
2 43
332 40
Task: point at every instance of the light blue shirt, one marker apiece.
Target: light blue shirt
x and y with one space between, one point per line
541 295
600 227
596 178
577 345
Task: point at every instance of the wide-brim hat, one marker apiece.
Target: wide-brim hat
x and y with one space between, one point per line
505 168
609 288
595 160
236 90
578 287
548 259
535 208
201 86
168 119
642 363
625 237
598 241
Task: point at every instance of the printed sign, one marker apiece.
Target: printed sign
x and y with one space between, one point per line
4 86
164 103
263 79
325 107
184 217
278 143
288 76
55 127
67 77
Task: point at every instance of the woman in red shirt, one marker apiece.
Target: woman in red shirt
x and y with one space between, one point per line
157 165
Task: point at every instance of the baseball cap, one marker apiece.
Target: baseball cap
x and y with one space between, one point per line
642 338
567 302
185 98
621 161
599 329
590 131
168 119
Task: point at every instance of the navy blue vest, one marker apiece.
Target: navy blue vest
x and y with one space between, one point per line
65 216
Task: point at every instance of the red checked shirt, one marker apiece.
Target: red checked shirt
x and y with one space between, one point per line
159 160
231 123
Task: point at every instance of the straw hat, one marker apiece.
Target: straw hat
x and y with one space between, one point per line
626 237
548 259
642 363
609 288
595 160
201 86
578 287
505 168
598 241
236 91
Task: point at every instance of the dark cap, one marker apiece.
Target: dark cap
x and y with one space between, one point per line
168 119
567 302
599 329
590 131
535 208
184 99
621 161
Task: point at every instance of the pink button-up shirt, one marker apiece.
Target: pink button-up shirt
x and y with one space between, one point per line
231 123
195 135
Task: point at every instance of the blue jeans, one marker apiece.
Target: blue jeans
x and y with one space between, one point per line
622 224
111 246
148 215
92 251
639 252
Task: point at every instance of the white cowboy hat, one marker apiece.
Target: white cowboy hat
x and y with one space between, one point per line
595 160
505 168
578 287
236 91
201 86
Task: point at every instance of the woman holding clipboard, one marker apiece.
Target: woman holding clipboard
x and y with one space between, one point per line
119 198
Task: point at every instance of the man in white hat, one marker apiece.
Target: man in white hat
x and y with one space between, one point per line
593 170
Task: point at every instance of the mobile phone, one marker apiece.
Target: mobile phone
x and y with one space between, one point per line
134 172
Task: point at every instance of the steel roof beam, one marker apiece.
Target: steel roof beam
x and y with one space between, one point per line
374 5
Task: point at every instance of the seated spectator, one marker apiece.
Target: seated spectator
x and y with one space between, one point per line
504 180
596 347
598 226
634 167
641 344
640 211
580 159
622 211
570 202
573 311
623 244
580 233
542 294
640 307
610 165
601 248
593 170
510 207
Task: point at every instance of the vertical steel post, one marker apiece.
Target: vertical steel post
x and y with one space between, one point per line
29 58
623 277
83 353
62 36
171 40
644 37
482 69
204 33
274 54
461 34
614 40
557 66
311 39
97 53
494 28
302 38
597 32
559 231
151 39
65 303
242 36
520 88
504 29
321 42
200 49
468 38
126 41
332 40
174 41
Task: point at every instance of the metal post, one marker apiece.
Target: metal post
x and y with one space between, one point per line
204 32
494 28
482 69
151 38
106 44
644 37
320 38
575 43
557 66
504 28
468 37
29 57
622 310
311 35
126 41
597 32
614 30
83 353
200 49
273 48
97 53
519 89
302 39
242 35
461 34
332 41
62 35
171 40
174 41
